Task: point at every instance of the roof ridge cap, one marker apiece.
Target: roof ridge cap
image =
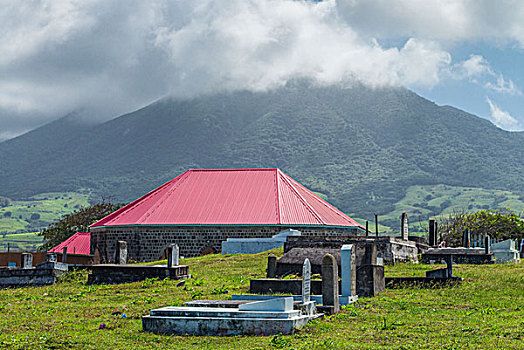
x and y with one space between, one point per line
302 199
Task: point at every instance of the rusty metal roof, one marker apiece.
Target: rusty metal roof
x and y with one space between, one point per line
79 243
229 197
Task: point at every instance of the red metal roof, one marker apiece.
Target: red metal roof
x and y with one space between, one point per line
229 197
79 243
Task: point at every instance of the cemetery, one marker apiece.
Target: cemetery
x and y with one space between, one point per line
282 289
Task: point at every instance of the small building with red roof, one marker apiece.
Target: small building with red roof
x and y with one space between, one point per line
79 243
203 207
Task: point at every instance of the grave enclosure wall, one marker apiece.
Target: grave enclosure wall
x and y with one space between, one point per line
148 243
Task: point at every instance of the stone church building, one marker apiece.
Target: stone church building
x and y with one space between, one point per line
203 207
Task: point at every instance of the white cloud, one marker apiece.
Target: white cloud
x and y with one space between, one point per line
503 119
478 70
115 56
444 21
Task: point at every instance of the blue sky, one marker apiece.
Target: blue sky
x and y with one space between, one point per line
473 96
109 57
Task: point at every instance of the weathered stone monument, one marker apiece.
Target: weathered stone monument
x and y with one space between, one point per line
370 276
306 282
404 226
433 239
121 253
173 255
271 266
330 295
466 238
27 261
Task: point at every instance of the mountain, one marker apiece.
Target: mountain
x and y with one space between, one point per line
361 147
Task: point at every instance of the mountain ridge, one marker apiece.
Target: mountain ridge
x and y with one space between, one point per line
362 147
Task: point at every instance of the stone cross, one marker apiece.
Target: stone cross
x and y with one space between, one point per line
404 226
348 270
121 253
306 282
330 283
173 255
64 254
27 260
271 266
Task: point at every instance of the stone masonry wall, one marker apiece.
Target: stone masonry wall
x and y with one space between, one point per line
149 242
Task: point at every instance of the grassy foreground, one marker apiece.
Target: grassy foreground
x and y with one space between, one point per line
484 312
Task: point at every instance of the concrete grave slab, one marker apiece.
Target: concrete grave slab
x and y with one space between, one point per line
278 304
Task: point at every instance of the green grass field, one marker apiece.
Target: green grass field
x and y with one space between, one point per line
484 312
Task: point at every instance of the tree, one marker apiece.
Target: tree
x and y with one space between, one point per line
78 221
501 223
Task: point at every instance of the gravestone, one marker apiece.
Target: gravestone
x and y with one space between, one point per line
348 270
404 226
466 238
432 233
27 260
306 282
370 276
271 266
121 253
64 255
330 300
50 257
173 255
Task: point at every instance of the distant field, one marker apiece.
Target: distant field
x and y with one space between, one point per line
20 242
422 203
39 211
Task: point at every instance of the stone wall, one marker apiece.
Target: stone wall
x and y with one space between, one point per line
147 243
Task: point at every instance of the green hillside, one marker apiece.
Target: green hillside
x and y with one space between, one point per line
36 212
363 148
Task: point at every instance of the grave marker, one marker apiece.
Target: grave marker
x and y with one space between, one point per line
271 266
121 253
173 255
330 283
27 260
306 282
50 257
348 270
404 226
